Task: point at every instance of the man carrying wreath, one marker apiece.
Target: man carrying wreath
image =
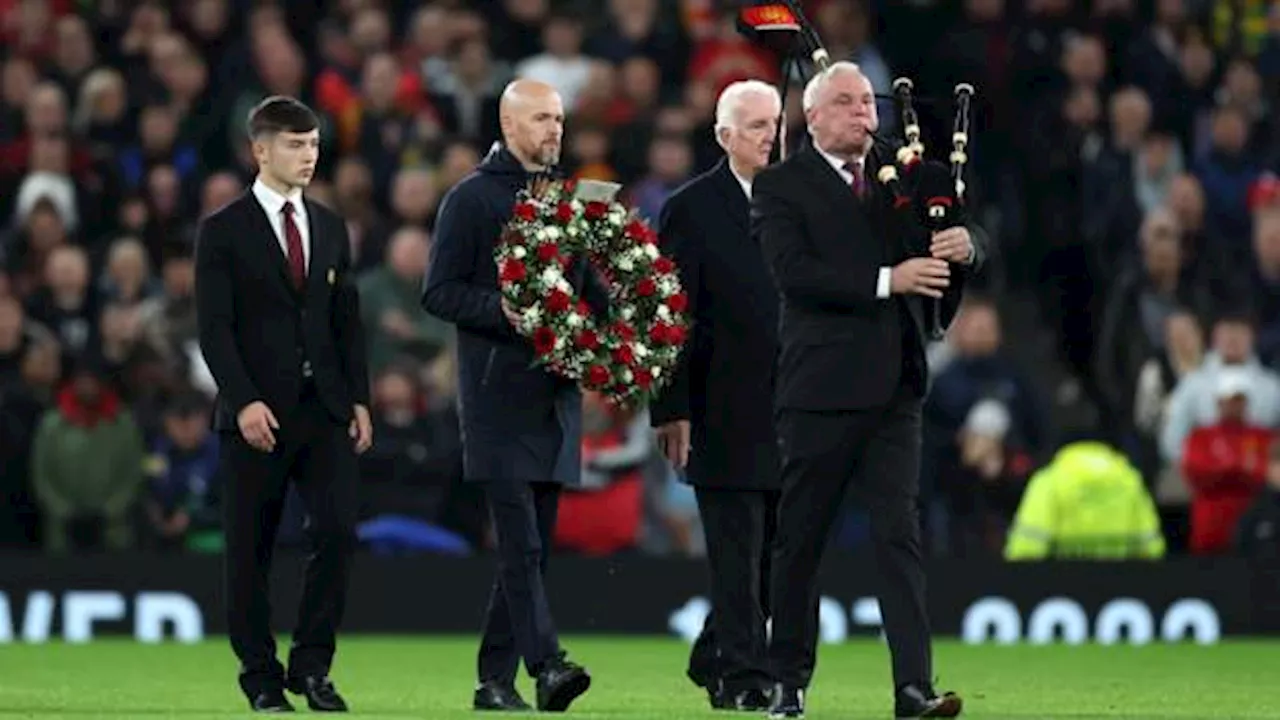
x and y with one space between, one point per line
521 425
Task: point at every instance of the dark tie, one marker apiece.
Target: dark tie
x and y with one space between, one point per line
293 238
859 180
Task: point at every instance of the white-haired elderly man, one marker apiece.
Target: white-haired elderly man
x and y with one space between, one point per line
852 375
715 420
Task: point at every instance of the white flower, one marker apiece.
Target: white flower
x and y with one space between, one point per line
641 350
563 286
669 285
541 234
628 312
551 276
559 343
627 376
553 232
624 264
518 252
651 251
532 315
573 320
664 313
655 371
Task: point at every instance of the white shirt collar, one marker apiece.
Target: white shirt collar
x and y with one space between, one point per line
745 183
838 164
273 201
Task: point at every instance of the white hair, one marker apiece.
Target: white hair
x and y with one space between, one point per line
819 80
732 97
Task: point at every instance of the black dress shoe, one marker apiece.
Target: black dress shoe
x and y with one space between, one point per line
916 702
560 683
498 696
752 699
270 701
321 695
788 702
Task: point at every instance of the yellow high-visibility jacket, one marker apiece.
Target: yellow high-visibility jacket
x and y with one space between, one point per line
1089 503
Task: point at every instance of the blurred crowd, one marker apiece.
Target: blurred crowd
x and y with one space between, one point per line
1123 161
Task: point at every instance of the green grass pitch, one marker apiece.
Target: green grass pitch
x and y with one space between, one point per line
432 678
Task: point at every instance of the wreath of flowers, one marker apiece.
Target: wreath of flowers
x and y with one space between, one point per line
627 356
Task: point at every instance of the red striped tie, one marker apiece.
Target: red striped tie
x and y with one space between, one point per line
859 180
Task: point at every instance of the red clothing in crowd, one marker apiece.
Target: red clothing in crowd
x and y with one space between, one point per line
1225 465
606 520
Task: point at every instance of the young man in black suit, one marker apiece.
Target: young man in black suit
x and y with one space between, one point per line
521 425
715 419
279 326
851 378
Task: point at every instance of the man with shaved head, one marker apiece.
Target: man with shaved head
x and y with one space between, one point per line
521 425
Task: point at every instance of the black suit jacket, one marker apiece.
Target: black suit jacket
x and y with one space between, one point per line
842 347
724 382
252 322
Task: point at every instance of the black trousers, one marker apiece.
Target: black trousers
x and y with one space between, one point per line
518 621
732 649
317 455
876 451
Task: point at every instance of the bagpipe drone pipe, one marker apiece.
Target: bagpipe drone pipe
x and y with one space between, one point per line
927 192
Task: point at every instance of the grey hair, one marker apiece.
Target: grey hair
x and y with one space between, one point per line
819 80
732 97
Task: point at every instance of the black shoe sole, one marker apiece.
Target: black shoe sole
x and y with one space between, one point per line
564 695
947 707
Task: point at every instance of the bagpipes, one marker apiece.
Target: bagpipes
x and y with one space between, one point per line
925 191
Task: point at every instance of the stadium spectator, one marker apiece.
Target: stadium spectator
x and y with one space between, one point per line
974 461
1087 503
1225 464
1195 400
603 516
181 502
396 325
86 465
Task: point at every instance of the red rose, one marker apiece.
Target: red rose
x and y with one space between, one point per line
635 230
678 302
547 252
525 211
676 334
584 308
664 265
646 287
650 236
570 186
587 340
595 210
624 331
558 301
564 213
660 334
597 376
623 355
643 378
565 261
544 340
512 271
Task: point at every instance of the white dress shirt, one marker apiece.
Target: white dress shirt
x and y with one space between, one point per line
273 203
745 183
884 278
